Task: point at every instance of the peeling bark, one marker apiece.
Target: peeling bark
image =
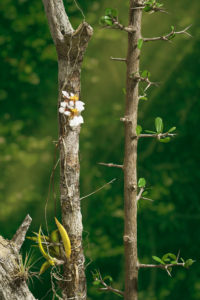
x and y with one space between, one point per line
70 45
13 283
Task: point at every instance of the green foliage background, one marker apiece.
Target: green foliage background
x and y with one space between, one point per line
28 99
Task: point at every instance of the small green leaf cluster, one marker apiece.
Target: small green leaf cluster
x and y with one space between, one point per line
109 17
170 259
142 185
159 126
152 5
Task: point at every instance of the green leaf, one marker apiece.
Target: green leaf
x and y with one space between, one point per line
189 262
106 20
145 74
144 193
111 12
172 129
150 131
159 5
141 182
174 262
96 282
165 140
159 125
182 259
158 259
143 98
147 8
172 28
138 129
173 256
171 36
108 277
140 43
167 255
124 91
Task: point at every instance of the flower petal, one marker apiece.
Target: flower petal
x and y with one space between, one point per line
63 104
61 110
65 94
67 113
79 105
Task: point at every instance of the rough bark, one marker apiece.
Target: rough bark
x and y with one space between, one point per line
130 158
70 45
13 282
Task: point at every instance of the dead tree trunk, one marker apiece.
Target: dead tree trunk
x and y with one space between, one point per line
12 277
70 45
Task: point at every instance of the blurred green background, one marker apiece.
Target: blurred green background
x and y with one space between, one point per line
28 99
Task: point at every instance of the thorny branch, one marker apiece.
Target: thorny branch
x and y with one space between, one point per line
164 267
157 135
168 36
107 287
145 79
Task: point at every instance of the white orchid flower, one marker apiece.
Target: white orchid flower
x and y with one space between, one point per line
77 120
79 105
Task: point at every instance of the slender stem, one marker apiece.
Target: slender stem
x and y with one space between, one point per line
111 165
118 58
130 157
160 266
157 135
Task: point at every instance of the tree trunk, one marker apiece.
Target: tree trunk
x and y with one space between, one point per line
70 45
12 278
130 158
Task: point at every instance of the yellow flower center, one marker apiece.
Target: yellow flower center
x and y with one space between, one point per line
74 98
74 111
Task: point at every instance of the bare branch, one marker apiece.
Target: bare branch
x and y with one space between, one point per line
157 135
111 165
164 267
118 59
19 236
145 198
140 194
168 36
98 189
108 288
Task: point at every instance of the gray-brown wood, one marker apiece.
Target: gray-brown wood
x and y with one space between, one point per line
12 278
130 157
70 45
